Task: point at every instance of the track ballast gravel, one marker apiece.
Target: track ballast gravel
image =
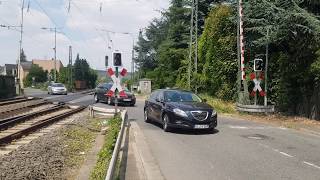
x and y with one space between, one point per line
42 158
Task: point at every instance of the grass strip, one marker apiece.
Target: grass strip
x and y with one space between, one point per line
219 105
100 170
78 140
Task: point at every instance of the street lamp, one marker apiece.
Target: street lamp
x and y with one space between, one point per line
55 49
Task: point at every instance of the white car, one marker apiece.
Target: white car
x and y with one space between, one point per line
57 88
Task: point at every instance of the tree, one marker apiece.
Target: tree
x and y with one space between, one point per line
37 73
217 57
23 56
83 72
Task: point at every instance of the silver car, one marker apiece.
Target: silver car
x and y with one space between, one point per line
57 88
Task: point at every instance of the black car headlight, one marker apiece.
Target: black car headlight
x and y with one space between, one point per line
214 113
180 112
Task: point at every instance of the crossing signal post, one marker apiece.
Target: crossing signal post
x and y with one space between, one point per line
117 62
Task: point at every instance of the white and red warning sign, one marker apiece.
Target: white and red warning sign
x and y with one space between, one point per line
116 83
257 82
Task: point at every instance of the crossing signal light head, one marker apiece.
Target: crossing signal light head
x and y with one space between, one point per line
258 65
117 60
106 61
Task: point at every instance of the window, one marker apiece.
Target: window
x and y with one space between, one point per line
57 85
181 96
154 95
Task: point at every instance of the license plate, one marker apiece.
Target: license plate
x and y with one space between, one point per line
127 100
201 126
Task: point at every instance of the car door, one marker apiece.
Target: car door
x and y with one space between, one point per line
152 105
158 106
99 89
105 89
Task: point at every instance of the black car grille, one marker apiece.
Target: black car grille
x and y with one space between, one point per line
200 115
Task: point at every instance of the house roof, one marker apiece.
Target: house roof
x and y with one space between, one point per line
26 65
9 67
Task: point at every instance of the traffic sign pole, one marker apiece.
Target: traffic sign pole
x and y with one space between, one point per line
116 92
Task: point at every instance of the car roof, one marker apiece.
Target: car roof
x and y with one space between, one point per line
179 90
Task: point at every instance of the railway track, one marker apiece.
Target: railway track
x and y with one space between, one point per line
13 109
14 128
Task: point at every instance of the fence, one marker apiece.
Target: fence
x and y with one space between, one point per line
7 87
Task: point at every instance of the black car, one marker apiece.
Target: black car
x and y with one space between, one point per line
102 89
100 92
179 109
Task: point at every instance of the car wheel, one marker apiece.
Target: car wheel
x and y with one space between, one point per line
96 98
165 121
146 116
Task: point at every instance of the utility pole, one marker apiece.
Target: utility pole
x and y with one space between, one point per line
55 54
193 53
70 67
20 50
132 63
266 71
55 49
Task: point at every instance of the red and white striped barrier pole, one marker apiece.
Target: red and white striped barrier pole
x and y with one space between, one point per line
242 62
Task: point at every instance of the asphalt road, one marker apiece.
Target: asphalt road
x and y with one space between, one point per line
72 98
239 150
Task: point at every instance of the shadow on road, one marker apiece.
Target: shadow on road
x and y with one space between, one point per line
187 131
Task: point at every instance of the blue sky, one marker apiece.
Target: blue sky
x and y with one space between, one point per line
82 28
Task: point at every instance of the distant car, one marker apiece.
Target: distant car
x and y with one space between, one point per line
57 88
179 109
100 92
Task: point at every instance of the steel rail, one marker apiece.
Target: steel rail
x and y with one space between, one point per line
5 123
24 107
9 138
10 99
15 101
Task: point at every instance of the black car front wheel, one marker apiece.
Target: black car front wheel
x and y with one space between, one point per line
96 98
165 121
146 116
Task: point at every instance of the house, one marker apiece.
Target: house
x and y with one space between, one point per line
48 65
145 86
8 70
1 70
24 70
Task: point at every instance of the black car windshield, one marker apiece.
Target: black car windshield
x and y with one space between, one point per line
57 85
180 96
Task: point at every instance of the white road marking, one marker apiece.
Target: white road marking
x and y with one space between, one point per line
285 154
238 127
310 164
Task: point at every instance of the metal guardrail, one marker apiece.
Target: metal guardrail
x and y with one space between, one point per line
114 158
255 108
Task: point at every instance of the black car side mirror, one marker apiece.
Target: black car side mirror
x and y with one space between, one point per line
204 100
